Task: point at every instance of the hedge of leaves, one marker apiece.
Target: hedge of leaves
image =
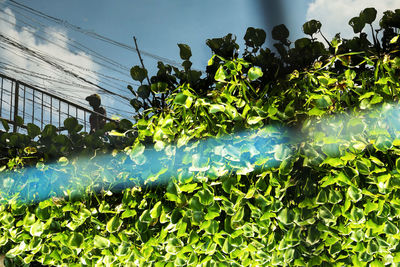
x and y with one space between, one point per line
265 160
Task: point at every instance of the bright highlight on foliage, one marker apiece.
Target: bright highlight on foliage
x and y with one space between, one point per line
203 160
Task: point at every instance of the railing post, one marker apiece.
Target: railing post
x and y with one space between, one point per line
16 98
1 95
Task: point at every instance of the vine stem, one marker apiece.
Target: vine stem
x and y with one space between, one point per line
326 40
140 58
141 62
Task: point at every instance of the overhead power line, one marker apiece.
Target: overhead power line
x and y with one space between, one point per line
91 33
80 67
56 65
38 62
65 38
34 55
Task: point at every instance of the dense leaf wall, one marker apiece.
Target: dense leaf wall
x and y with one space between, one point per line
262 160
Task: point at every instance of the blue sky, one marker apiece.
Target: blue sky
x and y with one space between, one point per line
158 26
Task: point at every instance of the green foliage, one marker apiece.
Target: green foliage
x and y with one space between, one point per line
185 51
311 27
138 73
265 160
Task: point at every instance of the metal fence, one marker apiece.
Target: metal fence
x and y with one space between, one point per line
37 106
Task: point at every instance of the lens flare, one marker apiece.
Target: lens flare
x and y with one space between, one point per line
202 160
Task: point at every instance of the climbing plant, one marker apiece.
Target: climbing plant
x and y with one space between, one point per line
279 157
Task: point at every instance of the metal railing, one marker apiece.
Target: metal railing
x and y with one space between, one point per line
37 106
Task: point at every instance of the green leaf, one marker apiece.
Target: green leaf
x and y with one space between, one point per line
210 61
144 91
221 74
145 217
383 143
282 152
356 214
350 75
186 65
43 213
355 194
159 87
368 15
214 108
101 242
286 216
238 216
254 73
116 133
19 121
227 247
156 210
391 228
136 104
372 247
6 126
138 73
254 120
75 240
114 224
250 192
128 214
357 24
30 150
334 162
37 228
355 126
326 214
7 219
376 99
205 196
286 166
254 37
311 27
302 42
180 99
176 215
123 249
363 166
137 150
29 219
313 235
280 33
323 101
398 164
71 124
211 215
377 263
331 150
322 197
184 51
370 206
334 196
394 39
212 227
33 130
316 112
188 187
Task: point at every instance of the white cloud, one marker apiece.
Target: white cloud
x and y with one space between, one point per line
335 14
54 45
